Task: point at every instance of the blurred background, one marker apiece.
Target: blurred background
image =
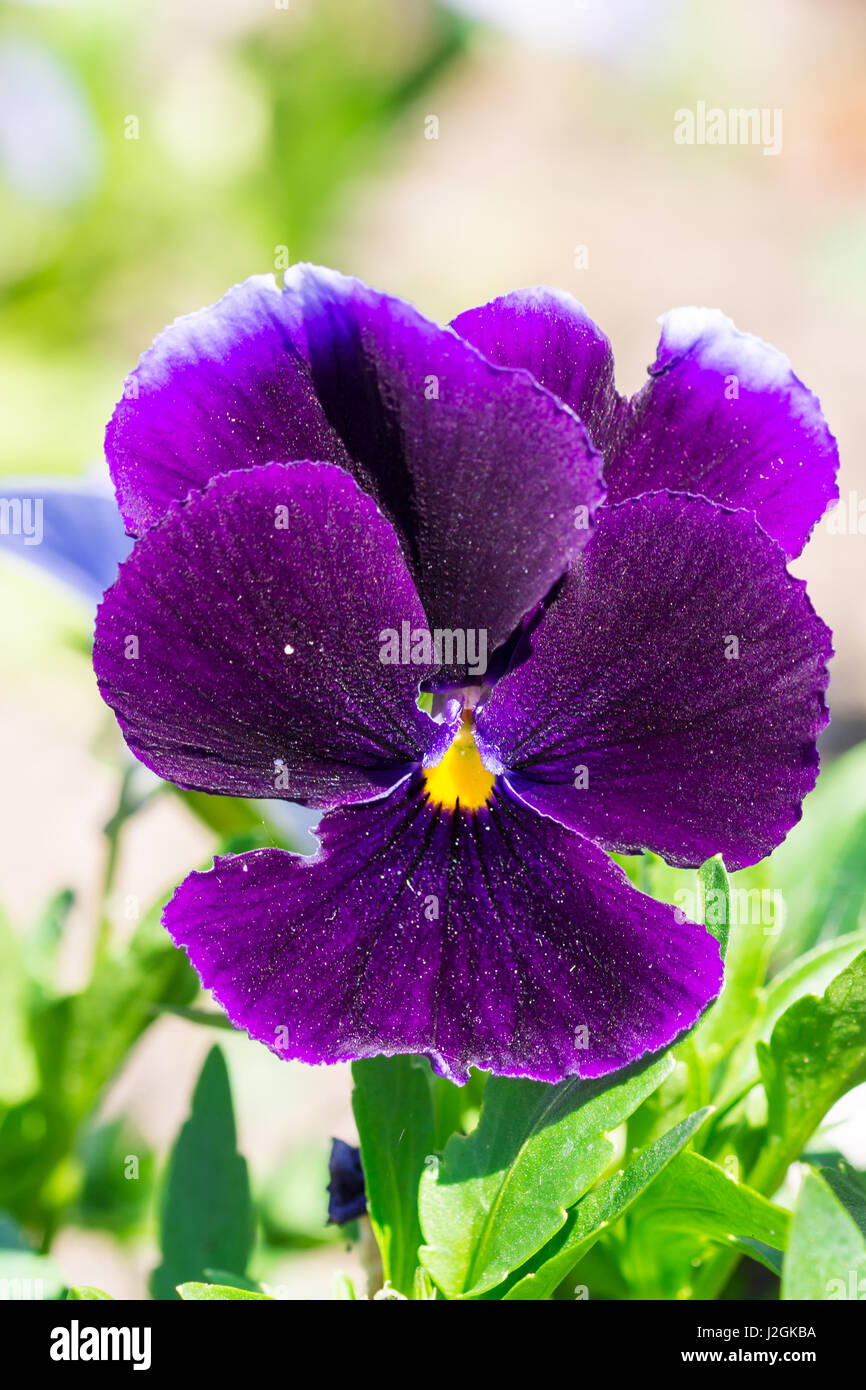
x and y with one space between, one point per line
151 156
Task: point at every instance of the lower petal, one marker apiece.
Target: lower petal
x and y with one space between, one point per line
497 939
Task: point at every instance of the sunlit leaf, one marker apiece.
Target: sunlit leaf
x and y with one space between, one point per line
394 1114
826 1259
817 1052
597 1211
499 1194
210 1293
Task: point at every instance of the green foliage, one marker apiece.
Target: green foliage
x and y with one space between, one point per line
74 1044
716 901
499 1194
597 1211
293 1203
386 1091
118 1169
696 1195
209 1293
207 1215
24 1272
817 1052
652 1184
19 1074
826 1259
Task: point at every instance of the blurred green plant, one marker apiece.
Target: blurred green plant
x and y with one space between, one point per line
233 157
651 1185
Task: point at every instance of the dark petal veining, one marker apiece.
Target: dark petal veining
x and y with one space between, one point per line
499 940
674 694
240 646
490 481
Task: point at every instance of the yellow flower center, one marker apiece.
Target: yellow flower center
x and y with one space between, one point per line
461 777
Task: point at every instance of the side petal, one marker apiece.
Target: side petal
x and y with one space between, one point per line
675 690
552 337
723 415
490 481
241 644
497 939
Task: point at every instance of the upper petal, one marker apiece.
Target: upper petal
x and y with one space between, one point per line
490 481
220 389
240 646
674 693
723 414
497 940
549 334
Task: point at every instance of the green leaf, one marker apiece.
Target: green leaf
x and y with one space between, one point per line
456 1108
696 1195
499 1194
232 1281
226 815
816 1053
393 1110
765 1255
691 1224
850 1191
207 1218
749 946
424 1290
107 1017
209 1293
85 1293
826 1259
80 1041
117 1179
810 974
716 900
597 1211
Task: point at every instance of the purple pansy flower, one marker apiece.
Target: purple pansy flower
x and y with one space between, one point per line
332 494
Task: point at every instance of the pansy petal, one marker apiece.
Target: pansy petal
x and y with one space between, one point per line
723 415
499 940
221 389
674 694
550 335
240 646
490 481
